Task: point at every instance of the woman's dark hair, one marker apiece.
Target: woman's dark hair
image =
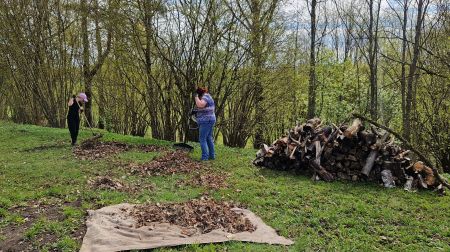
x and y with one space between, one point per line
201 90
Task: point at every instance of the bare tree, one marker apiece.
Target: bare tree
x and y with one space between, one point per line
90 70
421 10
256 16
374 16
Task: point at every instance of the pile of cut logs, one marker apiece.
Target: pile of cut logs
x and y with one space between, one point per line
348 152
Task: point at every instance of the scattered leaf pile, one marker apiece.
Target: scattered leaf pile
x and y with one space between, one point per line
203 214
93 149
149 148
170 163
107 183
97 149
103 182
208 180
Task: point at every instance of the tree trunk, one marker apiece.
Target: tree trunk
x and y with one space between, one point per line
86 72
98 40
348 40
403 74
152 101
373 59
257 68
312 64
412 70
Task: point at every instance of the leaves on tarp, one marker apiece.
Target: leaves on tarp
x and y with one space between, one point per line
203 214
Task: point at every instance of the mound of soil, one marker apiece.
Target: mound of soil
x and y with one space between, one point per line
208 180
170 163
203 215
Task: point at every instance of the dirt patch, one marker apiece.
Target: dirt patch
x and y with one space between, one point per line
199 215
169 163
107 183
91 150
14 234
208 180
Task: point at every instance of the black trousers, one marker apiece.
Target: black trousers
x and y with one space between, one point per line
74 126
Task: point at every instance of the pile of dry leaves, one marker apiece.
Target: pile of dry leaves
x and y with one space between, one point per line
170 163
94 149
202 215
97 149
107 183
208 180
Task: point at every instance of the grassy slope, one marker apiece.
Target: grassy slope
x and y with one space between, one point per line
317 215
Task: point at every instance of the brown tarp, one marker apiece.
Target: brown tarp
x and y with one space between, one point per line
111 229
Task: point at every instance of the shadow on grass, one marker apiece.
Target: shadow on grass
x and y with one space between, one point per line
46 147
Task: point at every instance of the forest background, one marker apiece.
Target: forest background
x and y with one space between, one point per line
268 64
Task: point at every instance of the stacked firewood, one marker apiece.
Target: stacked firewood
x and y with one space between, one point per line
347 152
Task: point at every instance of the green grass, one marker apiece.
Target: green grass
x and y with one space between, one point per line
137 156
335 216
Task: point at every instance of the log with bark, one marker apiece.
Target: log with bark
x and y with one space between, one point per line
349 152
373 155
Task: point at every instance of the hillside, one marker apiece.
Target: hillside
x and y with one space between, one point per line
45 192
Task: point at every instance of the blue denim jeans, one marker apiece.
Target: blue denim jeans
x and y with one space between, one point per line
206 140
